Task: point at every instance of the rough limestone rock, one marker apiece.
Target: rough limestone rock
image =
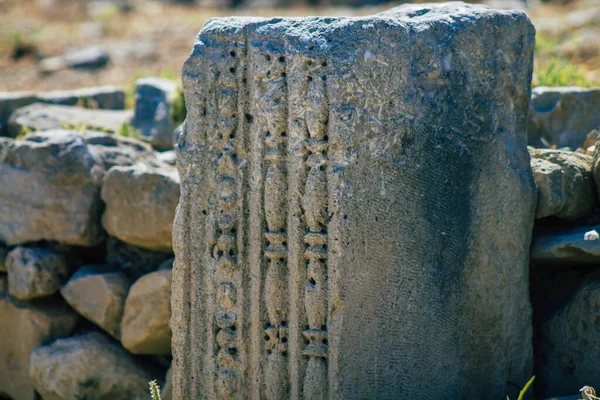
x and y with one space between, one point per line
570 343
25 326
153 102
140 205
565 183
93 57
566 246
9 102
104 97
43 117
34 272
356 209
50 184
168 157
146 321
90 366
562 116
98 293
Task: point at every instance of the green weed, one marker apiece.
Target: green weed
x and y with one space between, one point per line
560 73
178 109
129 131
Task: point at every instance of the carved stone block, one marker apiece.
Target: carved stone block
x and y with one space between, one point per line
356 208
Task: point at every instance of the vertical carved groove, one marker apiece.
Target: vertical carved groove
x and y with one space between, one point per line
315 208
274 106
227 278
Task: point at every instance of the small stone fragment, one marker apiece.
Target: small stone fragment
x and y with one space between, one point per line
146 321
140 205
35 272
98 293
562 116
566 246
90 58
565 183
23 327
153 102
89 366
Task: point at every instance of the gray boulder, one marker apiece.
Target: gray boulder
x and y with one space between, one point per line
570 342
146 321
566 246
43 117
25 326
35 272
562 116
93 57
89 366
168 157
98 293
50 184
153 102
140 205
565 183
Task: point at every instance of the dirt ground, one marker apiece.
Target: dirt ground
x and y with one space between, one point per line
154 38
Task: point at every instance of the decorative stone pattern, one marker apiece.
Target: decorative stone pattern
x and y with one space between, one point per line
315 182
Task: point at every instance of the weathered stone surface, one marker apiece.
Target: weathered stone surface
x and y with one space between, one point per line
25 326
34 272
153 100
562 116
570 343
9 102
43 117
89 366
50 184
140 205
98 293
356 208
93 57
565 183
146 321
566 246
104 97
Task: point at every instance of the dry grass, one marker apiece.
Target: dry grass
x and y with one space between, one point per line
156 38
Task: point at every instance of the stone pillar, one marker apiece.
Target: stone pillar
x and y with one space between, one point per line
356 208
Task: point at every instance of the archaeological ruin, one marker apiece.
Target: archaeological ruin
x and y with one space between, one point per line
356 207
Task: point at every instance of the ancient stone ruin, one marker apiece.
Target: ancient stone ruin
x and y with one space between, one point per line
356 207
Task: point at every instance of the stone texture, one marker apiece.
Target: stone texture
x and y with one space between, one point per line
104 97
25 326
566 246
565 183
50 184
570 343
34 272
93 57
89 366
98 293
356 209
146 321
562 116
43 117
140 205
9 102
132 260
153 102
